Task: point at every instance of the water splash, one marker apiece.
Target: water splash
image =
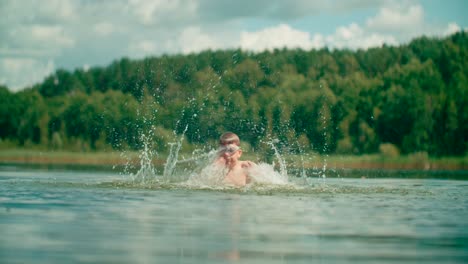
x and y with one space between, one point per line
303 174
265 173
325 121
211 175
171 160
279 158
146 173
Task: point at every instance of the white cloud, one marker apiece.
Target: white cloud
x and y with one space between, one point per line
352 36
275 37
147 46
349 33
18 73
397 18
318 41
158 11
35 40
142 48
403 21
145 10
192 39
52 34
451 29
58 10
104 28
42 12
355 37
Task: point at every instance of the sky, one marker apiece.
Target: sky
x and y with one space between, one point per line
37 37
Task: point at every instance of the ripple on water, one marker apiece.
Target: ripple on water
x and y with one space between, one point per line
255 188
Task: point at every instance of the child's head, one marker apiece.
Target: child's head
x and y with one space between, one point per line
229 138
230 147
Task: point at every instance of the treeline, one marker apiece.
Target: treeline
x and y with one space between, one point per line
411 98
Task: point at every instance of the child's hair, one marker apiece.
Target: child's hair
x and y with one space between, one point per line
229 138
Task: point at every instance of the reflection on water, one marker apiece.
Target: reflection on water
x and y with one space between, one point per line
69 216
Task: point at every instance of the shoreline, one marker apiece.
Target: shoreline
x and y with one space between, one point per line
33 157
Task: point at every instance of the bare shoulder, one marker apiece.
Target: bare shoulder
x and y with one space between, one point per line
247 164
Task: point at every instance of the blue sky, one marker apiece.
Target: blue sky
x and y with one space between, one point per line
37 37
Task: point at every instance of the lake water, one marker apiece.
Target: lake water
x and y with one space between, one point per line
92 216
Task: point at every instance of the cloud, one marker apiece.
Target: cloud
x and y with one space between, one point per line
19 73
46 39
404 21
163 11
37 35
397 18
142 48
50 34
281 36
104 28
53 11
451 29
38 12
284 36
355 37
192 39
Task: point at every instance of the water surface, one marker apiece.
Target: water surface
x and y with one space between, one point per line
92 216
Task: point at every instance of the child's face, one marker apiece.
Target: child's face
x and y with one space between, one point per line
231 152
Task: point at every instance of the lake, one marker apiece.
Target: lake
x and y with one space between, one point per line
70 215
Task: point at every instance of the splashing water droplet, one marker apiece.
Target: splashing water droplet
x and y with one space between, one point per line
281 161
171 161
146 173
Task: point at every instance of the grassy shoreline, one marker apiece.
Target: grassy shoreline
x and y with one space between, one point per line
25 156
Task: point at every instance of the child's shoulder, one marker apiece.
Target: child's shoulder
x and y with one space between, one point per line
247 164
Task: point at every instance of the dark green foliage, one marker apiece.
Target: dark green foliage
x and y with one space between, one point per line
412 98
10 113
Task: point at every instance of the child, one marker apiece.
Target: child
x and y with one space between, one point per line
229 154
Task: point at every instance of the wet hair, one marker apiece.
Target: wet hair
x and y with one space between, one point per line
229 138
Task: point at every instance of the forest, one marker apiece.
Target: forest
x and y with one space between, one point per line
400 99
